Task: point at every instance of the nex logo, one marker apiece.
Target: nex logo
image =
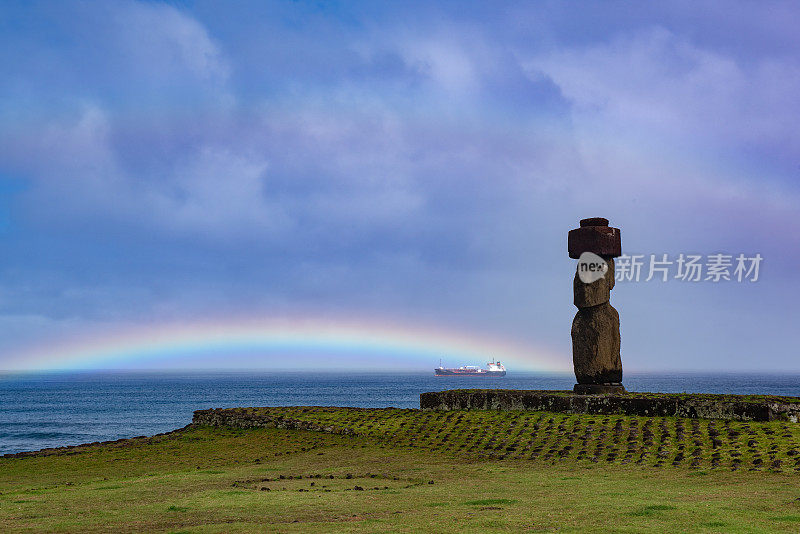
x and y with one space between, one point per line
591 267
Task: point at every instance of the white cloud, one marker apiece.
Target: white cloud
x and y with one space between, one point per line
217 193
449 64
213 192
160 41
654 112
76 158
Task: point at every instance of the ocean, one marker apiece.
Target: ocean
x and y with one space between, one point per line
68 408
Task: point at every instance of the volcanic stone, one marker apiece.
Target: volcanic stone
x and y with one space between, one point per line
596 293
595 345
598 389
602 240
594 221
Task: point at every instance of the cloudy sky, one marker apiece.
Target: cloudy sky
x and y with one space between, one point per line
415 163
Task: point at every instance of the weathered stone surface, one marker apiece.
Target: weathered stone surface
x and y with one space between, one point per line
602 240
250 418
598 389
594 221
706 406
595 345
596 293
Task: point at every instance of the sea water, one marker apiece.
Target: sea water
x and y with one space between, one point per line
53 409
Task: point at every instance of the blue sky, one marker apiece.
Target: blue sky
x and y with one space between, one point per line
417 162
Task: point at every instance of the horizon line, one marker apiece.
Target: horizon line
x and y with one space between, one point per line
407 370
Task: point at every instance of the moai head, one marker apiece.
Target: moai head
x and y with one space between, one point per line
597 237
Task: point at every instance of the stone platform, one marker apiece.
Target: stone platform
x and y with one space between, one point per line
696 405
598 389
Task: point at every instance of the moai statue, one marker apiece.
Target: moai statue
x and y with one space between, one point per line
595 329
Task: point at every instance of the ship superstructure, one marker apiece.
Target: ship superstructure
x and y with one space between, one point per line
492 369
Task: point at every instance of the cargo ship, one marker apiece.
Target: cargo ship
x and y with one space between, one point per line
493 369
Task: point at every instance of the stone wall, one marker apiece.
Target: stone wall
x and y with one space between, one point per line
733 407
251 418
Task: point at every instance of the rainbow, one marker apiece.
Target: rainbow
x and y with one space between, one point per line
282 344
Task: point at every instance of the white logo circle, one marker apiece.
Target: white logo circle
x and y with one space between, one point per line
591 267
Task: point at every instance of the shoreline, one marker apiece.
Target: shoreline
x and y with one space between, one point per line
69 449
711 406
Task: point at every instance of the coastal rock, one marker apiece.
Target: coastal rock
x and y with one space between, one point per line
595 345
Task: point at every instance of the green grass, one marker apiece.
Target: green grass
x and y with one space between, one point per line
792 518
662 442
377 478
652 509
488 502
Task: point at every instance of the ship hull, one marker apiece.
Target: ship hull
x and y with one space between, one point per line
468 372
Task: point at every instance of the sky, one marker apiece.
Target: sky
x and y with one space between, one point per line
412 165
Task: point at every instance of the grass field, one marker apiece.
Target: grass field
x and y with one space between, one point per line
412 471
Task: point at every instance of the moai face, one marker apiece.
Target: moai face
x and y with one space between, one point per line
598 292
